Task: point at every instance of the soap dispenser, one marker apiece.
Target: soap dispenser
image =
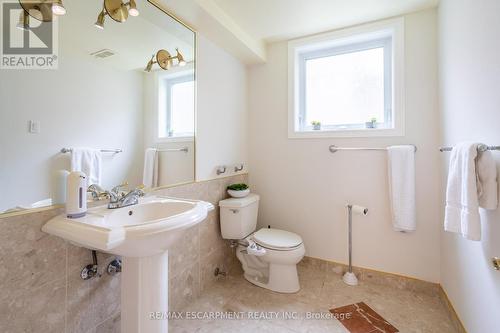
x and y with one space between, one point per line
76 195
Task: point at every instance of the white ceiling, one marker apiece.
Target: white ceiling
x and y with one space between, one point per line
272 20
243 27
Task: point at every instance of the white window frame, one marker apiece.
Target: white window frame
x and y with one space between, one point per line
359 38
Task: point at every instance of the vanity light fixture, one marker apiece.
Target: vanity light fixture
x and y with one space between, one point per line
117 10
165 60
42 10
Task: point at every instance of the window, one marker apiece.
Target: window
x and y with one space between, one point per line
347 83
176 108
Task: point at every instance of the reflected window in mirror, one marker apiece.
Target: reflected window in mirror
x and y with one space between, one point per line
176 107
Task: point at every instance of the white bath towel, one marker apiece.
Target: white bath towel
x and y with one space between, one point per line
471 183
462 202
88 161
150 174
401 167
487 181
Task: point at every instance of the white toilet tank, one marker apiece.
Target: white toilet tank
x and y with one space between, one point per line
238 216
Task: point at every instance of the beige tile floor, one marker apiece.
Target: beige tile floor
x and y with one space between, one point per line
407 310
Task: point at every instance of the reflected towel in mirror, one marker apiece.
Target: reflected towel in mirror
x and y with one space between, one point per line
150 174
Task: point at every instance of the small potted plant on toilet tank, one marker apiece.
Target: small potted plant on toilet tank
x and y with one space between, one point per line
238 190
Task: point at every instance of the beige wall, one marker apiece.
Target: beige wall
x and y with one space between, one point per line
469 63
304 187
40 285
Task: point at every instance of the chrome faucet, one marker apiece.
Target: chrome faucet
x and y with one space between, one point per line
117 197
119 200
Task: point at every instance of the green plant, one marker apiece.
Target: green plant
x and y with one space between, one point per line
237 187
315 123
373 120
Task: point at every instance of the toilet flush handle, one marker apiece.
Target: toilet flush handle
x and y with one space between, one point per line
235 211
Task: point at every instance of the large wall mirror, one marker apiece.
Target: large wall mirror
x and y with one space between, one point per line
120 105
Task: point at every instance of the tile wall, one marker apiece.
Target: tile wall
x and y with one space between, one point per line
40 285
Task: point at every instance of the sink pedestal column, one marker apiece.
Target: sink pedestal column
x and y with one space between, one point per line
144 294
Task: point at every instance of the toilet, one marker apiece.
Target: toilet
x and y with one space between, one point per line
269 256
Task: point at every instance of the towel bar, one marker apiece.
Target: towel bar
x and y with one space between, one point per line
114 151
481 148
184 149
334 149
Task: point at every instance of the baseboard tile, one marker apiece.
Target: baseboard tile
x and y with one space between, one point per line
457 323
374 276
389 279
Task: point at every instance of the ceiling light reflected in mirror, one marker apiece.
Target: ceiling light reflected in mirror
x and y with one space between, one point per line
165 60
117 10
42 10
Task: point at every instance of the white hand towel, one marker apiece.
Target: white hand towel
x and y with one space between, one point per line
88 161
401 167
462 202
150 174
487 181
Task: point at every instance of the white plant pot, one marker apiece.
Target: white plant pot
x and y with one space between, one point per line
238 194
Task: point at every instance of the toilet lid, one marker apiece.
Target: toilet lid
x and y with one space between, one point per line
276 238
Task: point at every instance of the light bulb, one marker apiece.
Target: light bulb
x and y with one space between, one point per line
180 58
58 8
100 21
150 64
24 21
133 11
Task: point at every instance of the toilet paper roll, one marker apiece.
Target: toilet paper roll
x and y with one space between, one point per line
359 210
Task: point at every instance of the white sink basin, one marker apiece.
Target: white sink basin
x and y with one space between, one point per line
142 235
141 230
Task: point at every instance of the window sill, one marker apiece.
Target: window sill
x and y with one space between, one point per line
175 139
347 133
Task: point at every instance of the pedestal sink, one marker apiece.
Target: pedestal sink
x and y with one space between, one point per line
142 235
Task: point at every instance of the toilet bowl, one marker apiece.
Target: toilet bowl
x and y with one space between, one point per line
269 257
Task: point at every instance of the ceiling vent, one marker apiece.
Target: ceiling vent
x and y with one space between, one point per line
104 53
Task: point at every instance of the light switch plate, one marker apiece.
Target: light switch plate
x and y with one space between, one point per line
34 126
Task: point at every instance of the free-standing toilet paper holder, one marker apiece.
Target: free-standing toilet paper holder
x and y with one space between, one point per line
349 277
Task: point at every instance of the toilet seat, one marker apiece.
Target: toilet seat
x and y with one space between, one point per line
275 239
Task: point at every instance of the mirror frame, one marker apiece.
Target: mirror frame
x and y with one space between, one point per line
159 6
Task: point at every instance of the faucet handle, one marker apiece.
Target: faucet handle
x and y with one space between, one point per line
97 192
139 190
117 188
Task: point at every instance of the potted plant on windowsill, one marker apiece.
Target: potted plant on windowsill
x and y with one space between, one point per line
372 123
316 125
238 190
